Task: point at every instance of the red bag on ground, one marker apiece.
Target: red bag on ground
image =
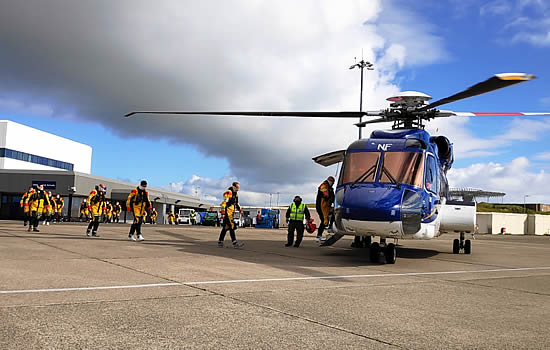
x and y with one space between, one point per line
310 226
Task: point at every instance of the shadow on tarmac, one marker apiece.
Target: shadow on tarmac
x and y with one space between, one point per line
309 259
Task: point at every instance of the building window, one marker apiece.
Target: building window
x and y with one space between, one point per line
31 158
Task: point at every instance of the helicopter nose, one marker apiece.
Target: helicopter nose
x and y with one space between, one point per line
366 203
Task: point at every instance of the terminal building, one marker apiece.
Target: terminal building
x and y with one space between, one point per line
33 157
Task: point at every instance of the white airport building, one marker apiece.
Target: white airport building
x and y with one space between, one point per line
23 147
33 157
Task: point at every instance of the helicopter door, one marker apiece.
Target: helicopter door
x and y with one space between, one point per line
431 183
331 158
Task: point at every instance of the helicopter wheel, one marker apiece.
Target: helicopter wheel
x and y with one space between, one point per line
374 252
456 246
367 241
391 255
467 247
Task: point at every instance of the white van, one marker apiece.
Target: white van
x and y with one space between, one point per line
184 216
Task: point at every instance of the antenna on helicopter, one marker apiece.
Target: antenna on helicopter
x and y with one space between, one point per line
362 65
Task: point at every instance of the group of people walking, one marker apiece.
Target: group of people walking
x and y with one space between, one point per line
38 205
138 204
111 212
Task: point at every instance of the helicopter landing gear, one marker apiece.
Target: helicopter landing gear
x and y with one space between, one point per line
361 242
462 244
374 252
382 252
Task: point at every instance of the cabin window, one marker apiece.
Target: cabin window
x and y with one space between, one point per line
404 168
360 167
432 179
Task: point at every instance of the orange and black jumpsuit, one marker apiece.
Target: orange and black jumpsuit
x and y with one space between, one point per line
60 205
323 203
38 202
138 202
25 205
229 205
96 203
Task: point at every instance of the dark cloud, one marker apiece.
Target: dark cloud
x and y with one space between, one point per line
95 61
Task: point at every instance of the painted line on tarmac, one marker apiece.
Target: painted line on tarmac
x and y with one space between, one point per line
45 290
88 288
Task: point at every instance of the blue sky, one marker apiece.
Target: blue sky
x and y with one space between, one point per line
76 79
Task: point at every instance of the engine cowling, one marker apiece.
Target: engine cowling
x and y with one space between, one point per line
445 151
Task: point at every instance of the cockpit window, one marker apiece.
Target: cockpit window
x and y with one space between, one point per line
403 167
360 167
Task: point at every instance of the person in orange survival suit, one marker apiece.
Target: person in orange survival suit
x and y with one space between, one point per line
138 201
50 213
323 204
23 203
96 202
38 202
229 205
59 207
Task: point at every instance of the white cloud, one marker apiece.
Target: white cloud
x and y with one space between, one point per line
467 145
214 55
542 156
515 178
498 7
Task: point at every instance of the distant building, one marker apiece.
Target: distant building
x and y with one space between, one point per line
469 194
33 157
26 148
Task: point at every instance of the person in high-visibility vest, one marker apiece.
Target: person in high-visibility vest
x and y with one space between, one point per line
96 203
138 202
23 203
295 218
153 216
171 218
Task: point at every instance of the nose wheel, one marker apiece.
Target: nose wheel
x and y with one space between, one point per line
382 252
462 244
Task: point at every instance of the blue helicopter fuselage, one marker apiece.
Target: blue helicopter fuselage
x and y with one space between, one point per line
392 185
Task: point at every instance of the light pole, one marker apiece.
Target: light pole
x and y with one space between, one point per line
270 195
277 199
362 65
524 206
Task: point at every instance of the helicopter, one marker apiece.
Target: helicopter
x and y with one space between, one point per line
394 183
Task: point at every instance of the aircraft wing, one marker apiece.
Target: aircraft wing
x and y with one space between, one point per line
330 158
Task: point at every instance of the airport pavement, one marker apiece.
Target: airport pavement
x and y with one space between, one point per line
62 290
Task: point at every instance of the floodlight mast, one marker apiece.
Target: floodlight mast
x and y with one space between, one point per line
362 65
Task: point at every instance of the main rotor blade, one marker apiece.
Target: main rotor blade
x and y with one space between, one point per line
267 114
379 120
496 114
498 81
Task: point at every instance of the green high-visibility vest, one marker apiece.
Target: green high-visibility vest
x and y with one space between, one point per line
297 213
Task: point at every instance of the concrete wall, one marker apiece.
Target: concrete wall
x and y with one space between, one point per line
515 224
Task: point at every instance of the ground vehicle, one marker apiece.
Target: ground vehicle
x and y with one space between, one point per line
238 219
210 218
184 216
394 184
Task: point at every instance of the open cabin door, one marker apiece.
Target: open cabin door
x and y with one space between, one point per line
328 159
